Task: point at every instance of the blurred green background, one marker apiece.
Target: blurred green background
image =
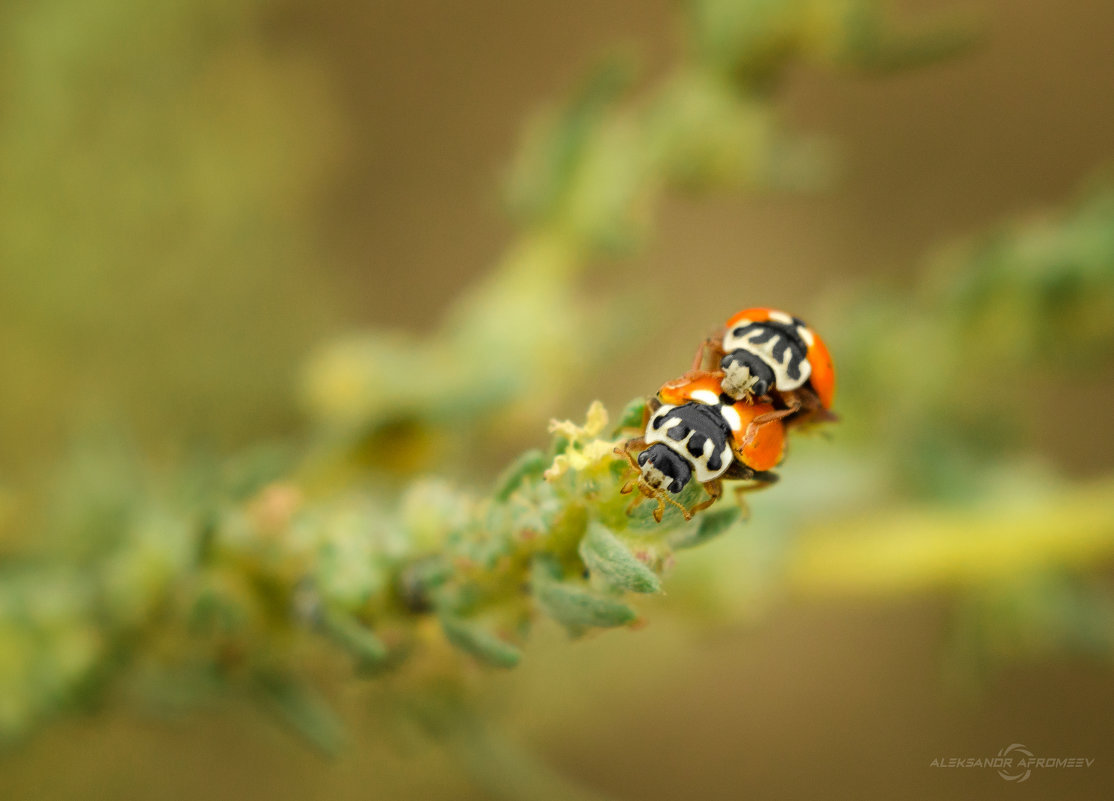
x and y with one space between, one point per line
195 197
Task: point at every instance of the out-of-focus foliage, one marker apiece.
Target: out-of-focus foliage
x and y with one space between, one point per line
248 575
165 165
942 377
585 185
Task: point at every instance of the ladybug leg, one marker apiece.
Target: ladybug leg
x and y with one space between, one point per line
664 498
808 409
741 501
653 403
637 443
763 479
714 489
624 450
660 496
651 406
794 406
644 491
743 489
709 353
762 419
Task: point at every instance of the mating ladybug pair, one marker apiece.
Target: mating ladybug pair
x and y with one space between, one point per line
726 418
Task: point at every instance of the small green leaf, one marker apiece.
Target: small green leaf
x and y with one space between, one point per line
577 607
302 709
354 637
873 45
528 465
574 606
555 151
472 637
631 417
712 524
607 555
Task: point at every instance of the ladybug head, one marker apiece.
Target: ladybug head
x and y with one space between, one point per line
664 469
745 375
660 472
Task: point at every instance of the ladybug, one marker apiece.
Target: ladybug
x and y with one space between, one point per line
693 430
763 352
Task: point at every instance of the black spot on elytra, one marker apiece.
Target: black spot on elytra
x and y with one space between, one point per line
786 339
765 334
778 349
705 422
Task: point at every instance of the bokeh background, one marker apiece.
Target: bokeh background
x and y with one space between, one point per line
195 197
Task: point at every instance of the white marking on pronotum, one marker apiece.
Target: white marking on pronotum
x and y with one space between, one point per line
732 417
705 396
669 422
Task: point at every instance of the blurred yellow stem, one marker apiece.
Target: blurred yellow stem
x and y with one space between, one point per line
925 549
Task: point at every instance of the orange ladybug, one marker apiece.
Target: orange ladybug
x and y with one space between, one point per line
765 352
695 431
